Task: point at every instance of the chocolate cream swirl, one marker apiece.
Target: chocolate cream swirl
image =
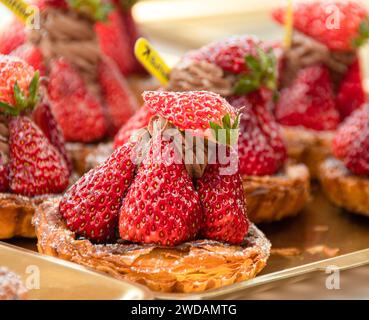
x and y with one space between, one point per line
191 75
306 51
69 34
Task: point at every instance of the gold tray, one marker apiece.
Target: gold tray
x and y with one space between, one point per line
60 280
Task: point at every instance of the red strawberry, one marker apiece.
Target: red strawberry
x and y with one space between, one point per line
12 37
161 206
79 114
133 34
114 42
45 120
196 111
351 93
223 202
139 120
91 206
261 147
309 101
4 176
36 167
255 150
32 55
119 99
14 70
64 81
351 143
340 25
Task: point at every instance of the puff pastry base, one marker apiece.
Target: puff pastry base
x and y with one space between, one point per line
272 198
344 189
191 267
308 146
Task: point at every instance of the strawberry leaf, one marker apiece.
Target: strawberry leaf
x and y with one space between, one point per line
363 34
33 89
8 109
20 100
96 9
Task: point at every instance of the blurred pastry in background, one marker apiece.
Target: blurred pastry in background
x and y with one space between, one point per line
83 51
345 178
245 71
321 80
34 164
11 286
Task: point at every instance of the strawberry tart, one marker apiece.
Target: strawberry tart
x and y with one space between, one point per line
321 81
345 178
34 163
148 215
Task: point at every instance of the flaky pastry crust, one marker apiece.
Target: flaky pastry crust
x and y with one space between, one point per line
272 198
16 214
343 188
87 156
191 267
11 286
306 146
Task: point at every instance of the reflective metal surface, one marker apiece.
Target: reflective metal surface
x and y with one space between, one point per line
55 279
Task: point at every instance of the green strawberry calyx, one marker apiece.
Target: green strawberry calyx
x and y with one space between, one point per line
262 71
96 9
23 102
363 36
227 133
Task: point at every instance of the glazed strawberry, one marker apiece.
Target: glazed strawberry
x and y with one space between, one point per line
261 148
35 167
114 42
79 114
309 101
351 143
14 72
91 206
118 97
32 55
139 120
12 37
351 93
197 111
45 120
161 206
223 203
340 25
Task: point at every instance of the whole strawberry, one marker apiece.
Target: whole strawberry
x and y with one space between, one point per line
161 206
309 101
32 55
197 112
12 37
119 100
79 114
91 206
45 120
351 142
35 167
351 95
259 131
340 25
138 121
224 206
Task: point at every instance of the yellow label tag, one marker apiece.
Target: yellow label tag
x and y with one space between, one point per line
152 61
288 25
20 8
